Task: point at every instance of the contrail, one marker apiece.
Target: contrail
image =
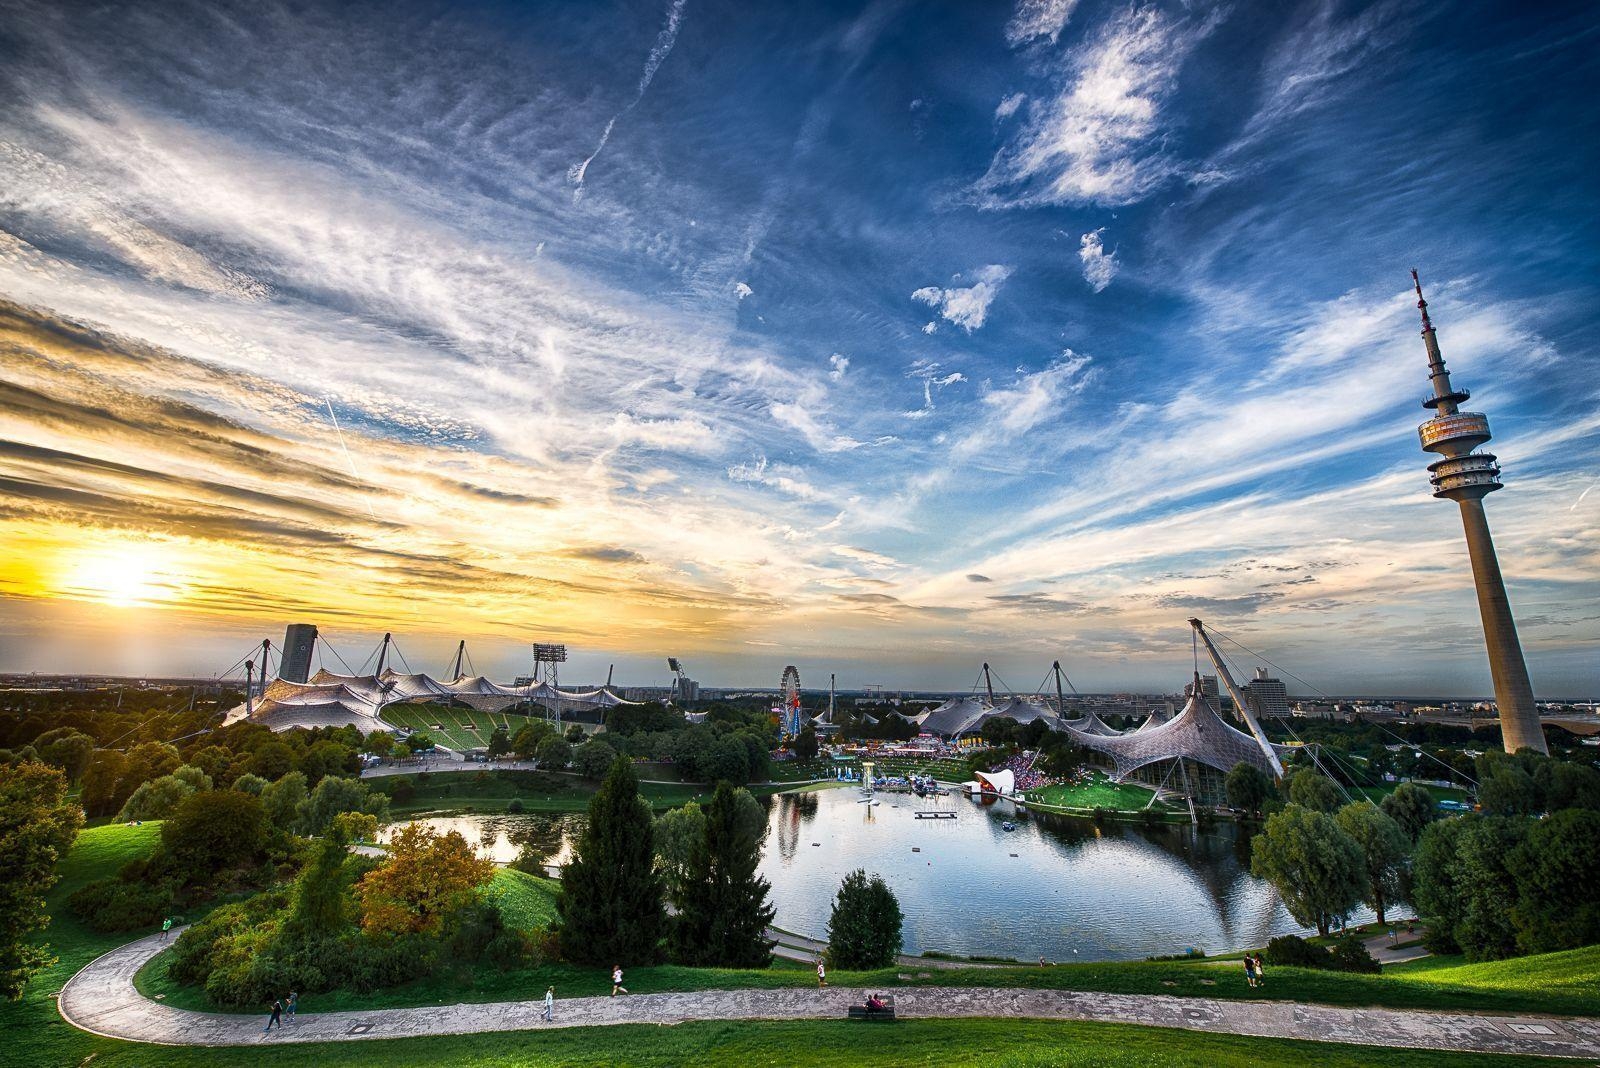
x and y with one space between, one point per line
663 47
355 474
1581 496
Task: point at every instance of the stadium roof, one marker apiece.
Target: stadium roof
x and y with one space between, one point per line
331 700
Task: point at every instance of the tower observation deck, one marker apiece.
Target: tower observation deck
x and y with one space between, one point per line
1466 476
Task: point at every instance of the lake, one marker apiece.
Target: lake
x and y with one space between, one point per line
1060 888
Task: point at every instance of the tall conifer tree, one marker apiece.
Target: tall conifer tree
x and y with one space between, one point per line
610 904
725 913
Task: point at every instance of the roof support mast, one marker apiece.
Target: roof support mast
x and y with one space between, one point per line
988 683
1061 700
461 652
1238 699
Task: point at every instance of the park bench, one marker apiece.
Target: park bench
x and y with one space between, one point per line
885 1014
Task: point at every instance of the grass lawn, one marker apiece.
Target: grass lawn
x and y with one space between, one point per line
829 1044
487 790
1378 793
526 901
1097 792
1562 986
34 1034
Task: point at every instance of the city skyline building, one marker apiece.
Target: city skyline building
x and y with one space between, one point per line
1466 476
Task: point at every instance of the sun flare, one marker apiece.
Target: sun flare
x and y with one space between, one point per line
122 575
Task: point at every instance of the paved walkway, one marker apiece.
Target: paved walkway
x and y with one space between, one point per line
101 998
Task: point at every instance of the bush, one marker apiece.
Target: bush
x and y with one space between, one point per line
1347 955
1292 951
115 904
515 808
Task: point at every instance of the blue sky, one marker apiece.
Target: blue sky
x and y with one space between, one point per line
882 339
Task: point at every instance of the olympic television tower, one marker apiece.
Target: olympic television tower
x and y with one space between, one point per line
1465 476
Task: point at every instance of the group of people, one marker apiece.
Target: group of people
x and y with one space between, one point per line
280 1007
1254 972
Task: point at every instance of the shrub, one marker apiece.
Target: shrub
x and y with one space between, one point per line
1292 951
515 807
115 904
1349 954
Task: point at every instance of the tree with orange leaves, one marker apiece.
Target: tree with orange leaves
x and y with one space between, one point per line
425 879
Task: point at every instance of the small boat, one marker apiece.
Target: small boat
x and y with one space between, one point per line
1008 826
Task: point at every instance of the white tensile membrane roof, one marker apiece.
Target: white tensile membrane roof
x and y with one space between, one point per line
1197 733
331 700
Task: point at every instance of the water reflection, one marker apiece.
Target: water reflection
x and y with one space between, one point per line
1054 886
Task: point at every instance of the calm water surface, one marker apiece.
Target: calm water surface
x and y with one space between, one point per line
1054 887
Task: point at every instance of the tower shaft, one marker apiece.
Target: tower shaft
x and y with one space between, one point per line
1513 691
1466 476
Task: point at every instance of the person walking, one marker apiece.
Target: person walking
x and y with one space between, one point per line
276 1017
166 927
550 1003
1250 969
1261 973
292 1004
616 980
822 974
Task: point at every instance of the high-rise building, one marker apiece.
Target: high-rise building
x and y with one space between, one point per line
1466 476
1268 696
298 641
1208 689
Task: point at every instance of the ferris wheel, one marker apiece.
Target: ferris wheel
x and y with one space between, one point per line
789 700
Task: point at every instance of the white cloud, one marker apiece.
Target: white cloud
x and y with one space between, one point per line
930 328
1009 105
966 306
1099 266
658 55
742 290
823 438
928 372
1038 18
1097 141
1028 401
838 364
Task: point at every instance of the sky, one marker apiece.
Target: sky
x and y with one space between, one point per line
880 339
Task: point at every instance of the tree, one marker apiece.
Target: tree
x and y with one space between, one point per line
1464 887
1315 867
864 929
805 743
499 744
525 743
420 742
574 734
282 800
678 832
100 794
1557 870
250 784
379 743
1435 886
553 751
212 830
37 825
333 796
1508 791
67 749
426 878
724 912
1567 785
1384 851
610 902
728 761
328 757
192 777
1247 787
155 799
1313 790
593 758
272 760
1412 807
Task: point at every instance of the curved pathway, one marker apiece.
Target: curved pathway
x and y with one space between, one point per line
101 998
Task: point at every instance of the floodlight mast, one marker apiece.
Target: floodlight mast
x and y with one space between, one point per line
549 655
1238 699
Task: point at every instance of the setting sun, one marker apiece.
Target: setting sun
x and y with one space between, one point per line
122 575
